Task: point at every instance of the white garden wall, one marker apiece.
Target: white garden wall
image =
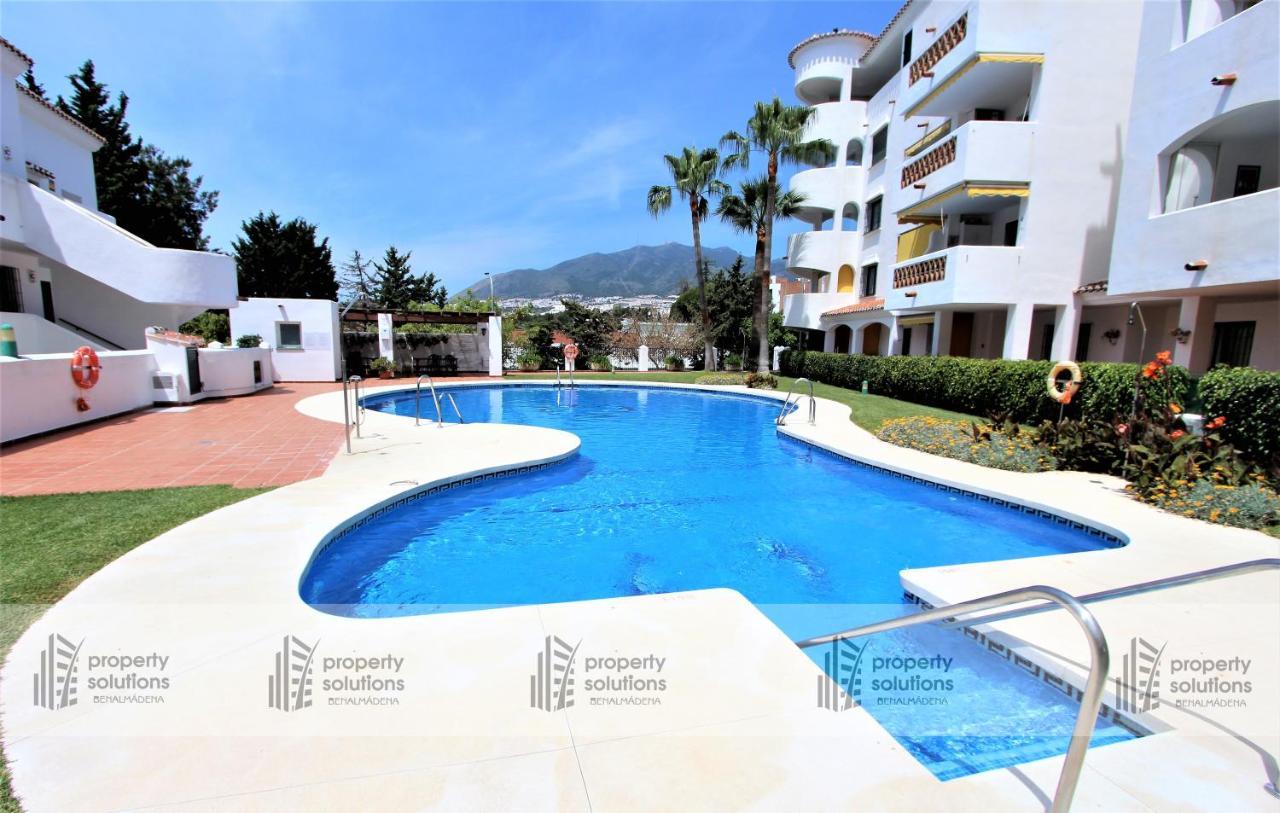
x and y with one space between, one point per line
319 356
38 395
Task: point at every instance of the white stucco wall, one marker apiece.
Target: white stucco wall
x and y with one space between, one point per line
319 358
38 395
36 335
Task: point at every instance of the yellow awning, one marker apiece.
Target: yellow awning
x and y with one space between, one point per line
928 138
920 213
913 243
965 68
915 321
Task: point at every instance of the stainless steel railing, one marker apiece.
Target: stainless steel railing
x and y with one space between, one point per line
454 404
417 401
786 402
357 408
1091 698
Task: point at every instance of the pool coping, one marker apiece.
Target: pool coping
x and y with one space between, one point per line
396 448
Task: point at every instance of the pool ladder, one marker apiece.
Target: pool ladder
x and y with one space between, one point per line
1099 656
570 371
781 420
417 402
347 409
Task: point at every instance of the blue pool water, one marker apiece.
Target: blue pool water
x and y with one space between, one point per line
681 490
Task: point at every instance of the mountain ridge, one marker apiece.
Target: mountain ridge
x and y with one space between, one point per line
660 270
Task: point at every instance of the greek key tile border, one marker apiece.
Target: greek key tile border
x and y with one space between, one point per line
428 492
1033 669
1110 540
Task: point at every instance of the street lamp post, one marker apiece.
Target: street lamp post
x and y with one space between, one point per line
490 276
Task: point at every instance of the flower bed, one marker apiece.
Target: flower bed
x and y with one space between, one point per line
972 443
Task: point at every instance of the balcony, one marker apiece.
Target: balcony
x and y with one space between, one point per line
805 310
827 189
822 251
985 152
966 275
823 63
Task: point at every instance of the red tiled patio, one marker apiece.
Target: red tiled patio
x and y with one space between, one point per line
254 440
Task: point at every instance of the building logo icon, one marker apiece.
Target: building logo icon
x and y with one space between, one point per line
54 686
551 686
840 684
1138 685
289 688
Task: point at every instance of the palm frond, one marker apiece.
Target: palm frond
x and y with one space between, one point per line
659 199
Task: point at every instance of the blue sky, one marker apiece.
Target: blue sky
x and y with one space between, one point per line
482 136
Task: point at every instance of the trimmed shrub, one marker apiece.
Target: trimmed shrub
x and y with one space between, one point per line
721 379
249 340
762 381
979 386
1249 399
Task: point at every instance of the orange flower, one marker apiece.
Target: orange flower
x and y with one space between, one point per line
1164 357
1177 433
1151 370
1175 409
1216 423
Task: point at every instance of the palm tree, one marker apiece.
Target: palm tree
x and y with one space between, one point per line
778 131
748 212
695 176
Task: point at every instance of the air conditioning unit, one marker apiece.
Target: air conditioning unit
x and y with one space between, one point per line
162 381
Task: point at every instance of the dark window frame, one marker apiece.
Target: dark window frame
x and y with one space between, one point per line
869 272
879 145
872 212
280 343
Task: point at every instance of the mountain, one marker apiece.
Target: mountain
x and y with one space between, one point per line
632 272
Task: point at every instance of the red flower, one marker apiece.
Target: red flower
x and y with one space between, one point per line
1177 433
1164 357
1121 428
1216 423
1151 370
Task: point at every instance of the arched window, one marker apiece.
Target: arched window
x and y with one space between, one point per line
849 217
853 153
843 338
844 280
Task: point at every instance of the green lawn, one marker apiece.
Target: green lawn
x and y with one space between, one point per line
51 543
869 411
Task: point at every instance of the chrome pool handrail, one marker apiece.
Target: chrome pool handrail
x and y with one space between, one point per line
417 401
1237 569
781 420
1090 699
346 414
456 411
358 409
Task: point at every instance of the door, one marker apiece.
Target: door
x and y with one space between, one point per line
1232 343
842 339
871 339
10 290
906 341
193 371
1082 341
46 297
961 333
1046 342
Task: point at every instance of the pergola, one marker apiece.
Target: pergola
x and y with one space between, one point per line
387 319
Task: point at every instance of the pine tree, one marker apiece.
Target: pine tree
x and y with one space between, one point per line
149 193
397 287
29 80
356 281
284 259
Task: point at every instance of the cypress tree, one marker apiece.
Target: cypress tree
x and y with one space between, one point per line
284 259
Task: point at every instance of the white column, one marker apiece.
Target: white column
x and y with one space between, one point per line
642 354
895 339
941 333
1196 315
829 341
495 346
386 338
1066 326
1017 330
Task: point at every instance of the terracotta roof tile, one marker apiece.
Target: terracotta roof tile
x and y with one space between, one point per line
60 114
865 305
15 49
835 32
1092 287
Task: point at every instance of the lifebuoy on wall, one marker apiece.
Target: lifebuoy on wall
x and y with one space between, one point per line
85 368
1064 395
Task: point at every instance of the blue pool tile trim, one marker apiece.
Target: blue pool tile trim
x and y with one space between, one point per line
1056 681
1110 540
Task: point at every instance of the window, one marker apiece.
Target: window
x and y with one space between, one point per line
1082 341
873 213
10 290
879 145
988 114
906 49
289 335
1232 343
906 341
1046 341
1248 177
1011 233
869 279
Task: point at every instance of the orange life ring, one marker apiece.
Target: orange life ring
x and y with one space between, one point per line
1064 395
85 368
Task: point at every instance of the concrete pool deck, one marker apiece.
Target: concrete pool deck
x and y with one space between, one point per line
217 596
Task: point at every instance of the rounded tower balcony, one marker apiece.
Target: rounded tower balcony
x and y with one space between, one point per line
824 63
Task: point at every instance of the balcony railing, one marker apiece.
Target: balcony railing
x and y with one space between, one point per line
930 162
942 46
930 270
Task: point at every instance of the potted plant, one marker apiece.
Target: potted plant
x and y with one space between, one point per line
250 340
733 363
529 362
600 363
383 367
674 363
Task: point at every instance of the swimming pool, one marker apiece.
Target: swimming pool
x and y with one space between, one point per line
680 490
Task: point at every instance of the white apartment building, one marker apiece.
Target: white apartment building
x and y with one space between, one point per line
68 275
1002 174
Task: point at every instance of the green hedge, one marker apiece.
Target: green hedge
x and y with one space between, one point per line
1250 401
979 386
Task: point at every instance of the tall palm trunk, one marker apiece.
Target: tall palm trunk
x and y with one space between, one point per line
708 345
763 362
